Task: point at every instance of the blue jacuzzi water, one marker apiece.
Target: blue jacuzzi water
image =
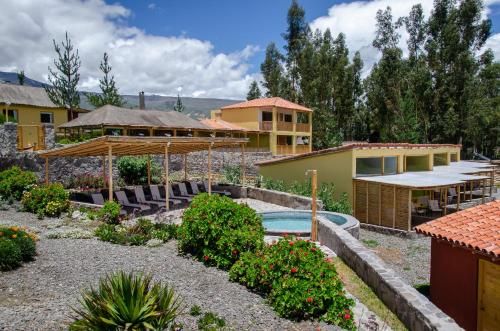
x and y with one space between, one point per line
295 221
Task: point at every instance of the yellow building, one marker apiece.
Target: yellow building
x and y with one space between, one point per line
274 124
30 107
386 183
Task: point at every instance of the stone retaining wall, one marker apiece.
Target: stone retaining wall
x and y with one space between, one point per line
412 308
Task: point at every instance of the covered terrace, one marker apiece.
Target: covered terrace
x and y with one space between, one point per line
404 200
107 147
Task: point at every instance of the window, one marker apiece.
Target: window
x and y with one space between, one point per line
453 157
368 166
46 117
303 118
440 159
417 163
390 165
267 116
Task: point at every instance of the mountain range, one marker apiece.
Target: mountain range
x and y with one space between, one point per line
195 107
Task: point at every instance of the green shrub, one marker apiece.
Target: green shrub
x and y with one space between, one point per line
126 301
298 281
133 170
232 174
10 255
109 213
211 322
216 230
2 118
14 181
195 310
23 240
50 200
138 234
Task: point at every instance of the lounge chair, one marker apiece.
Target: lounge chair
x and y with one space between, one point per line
194 187
434 206
155 193
180 197
141 198
226 193
98 199
123 200
452 193
184 191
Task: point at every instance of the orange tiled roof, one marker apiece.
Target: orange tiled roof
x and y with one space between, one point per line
350 146
476 228
218 124
268 102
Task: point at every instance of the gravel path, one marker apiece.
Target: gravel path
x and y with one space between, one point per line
409 257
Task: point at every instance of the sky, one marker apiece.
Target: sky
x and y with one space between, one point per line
197 48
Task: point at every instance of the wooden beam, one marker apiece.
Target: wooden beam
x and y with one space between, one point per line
492 182
483 200
243 165
110 172
104 171
149 169
210 169
167 184
46 171
185 167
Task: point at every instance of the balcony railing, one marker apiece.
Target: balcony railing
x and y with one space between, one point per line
284 150
300 149
285 126
266 126
302 127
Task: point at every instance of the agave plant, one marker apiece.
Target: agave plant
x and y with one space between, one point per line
127 301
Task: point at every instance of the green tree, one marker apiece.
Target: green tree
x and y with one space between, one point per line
272 71
254 91
21 77
65 77
109 92
178 105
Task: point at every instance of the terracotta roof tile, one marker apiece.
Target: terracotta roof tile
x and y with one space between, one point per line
268 102
219 124
477 228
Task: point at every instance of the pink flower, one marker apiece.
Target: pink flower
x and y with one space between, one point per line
206 258
309 299
347 316
294 270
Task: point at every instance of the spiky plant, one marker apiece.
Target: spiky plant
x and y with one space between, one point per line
127 301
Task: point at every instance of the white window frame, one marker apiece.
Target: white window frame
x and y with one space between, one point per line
51 114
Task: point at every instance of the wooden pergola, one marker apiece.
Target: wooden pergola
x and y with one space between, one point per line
109 146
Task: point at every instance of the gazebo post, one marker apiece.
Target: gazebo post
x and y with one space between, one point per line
185 167
167 191
149 169
445 200
471 188
458 197
110 172
104 170
46 171
492 181
484 188
210 169
243 165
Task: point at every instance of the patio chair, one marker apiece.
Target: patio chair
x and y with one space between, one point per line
434 206
123 200
184 191
180 197
98 199
155 193
194 187
141 198
226 193
452 194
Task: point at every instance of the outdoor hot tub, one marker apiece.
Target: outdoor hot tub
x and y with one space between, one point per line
298 222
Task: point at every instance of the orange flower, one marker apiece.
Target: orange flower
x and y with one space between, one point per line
1 233
14 228
14 236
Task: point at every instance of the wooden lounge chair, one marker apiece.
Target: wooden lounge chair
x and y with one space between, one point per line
184 191
226 193
155 193
141 198
98 199
123 200
180 197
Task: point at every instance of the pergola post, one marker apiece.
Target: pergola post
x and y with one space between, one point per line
471 188
110 172
167 184
445 200
458 197
484 189
210 169
185 167
492 181
149 169
46 171
243 165
104 171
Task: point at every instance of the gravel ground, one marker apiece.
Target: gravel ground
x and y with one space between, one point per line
38 295
410 257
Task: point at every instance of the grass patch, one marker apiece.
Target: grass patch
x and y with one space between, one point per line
364 293
424 289
371 243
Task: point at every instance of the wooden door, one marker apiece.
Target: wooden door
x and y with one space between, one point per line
488 316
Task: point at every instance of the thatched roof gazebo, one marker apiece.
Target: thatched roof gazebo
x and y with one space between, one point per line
109 146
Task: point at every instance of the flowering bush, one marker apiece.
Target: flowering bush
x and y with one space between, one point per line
109 213
216 230
133 170
16 246
14 181
50 200
85 182
298 281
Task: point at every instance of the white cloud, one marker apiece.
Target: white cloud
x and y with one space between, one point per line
152 6
357 21
141 61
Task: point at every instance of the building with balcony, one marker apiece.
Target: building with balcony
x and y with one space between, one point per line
271 124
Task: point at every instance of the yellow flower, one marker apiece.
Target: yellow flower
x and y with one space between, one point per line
14 228
14 236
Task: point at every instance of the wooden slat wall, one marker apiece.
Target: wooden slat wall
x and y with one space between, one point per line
402 208
373 203
361 201
387 198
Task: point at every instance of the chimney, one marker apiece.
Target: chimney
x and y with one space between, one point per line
142 102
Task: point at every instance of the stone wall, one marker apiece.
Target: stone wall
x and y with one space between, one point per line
411 307
8 138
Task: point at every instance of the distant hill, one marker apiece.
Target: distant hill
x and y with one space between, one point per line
195 107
